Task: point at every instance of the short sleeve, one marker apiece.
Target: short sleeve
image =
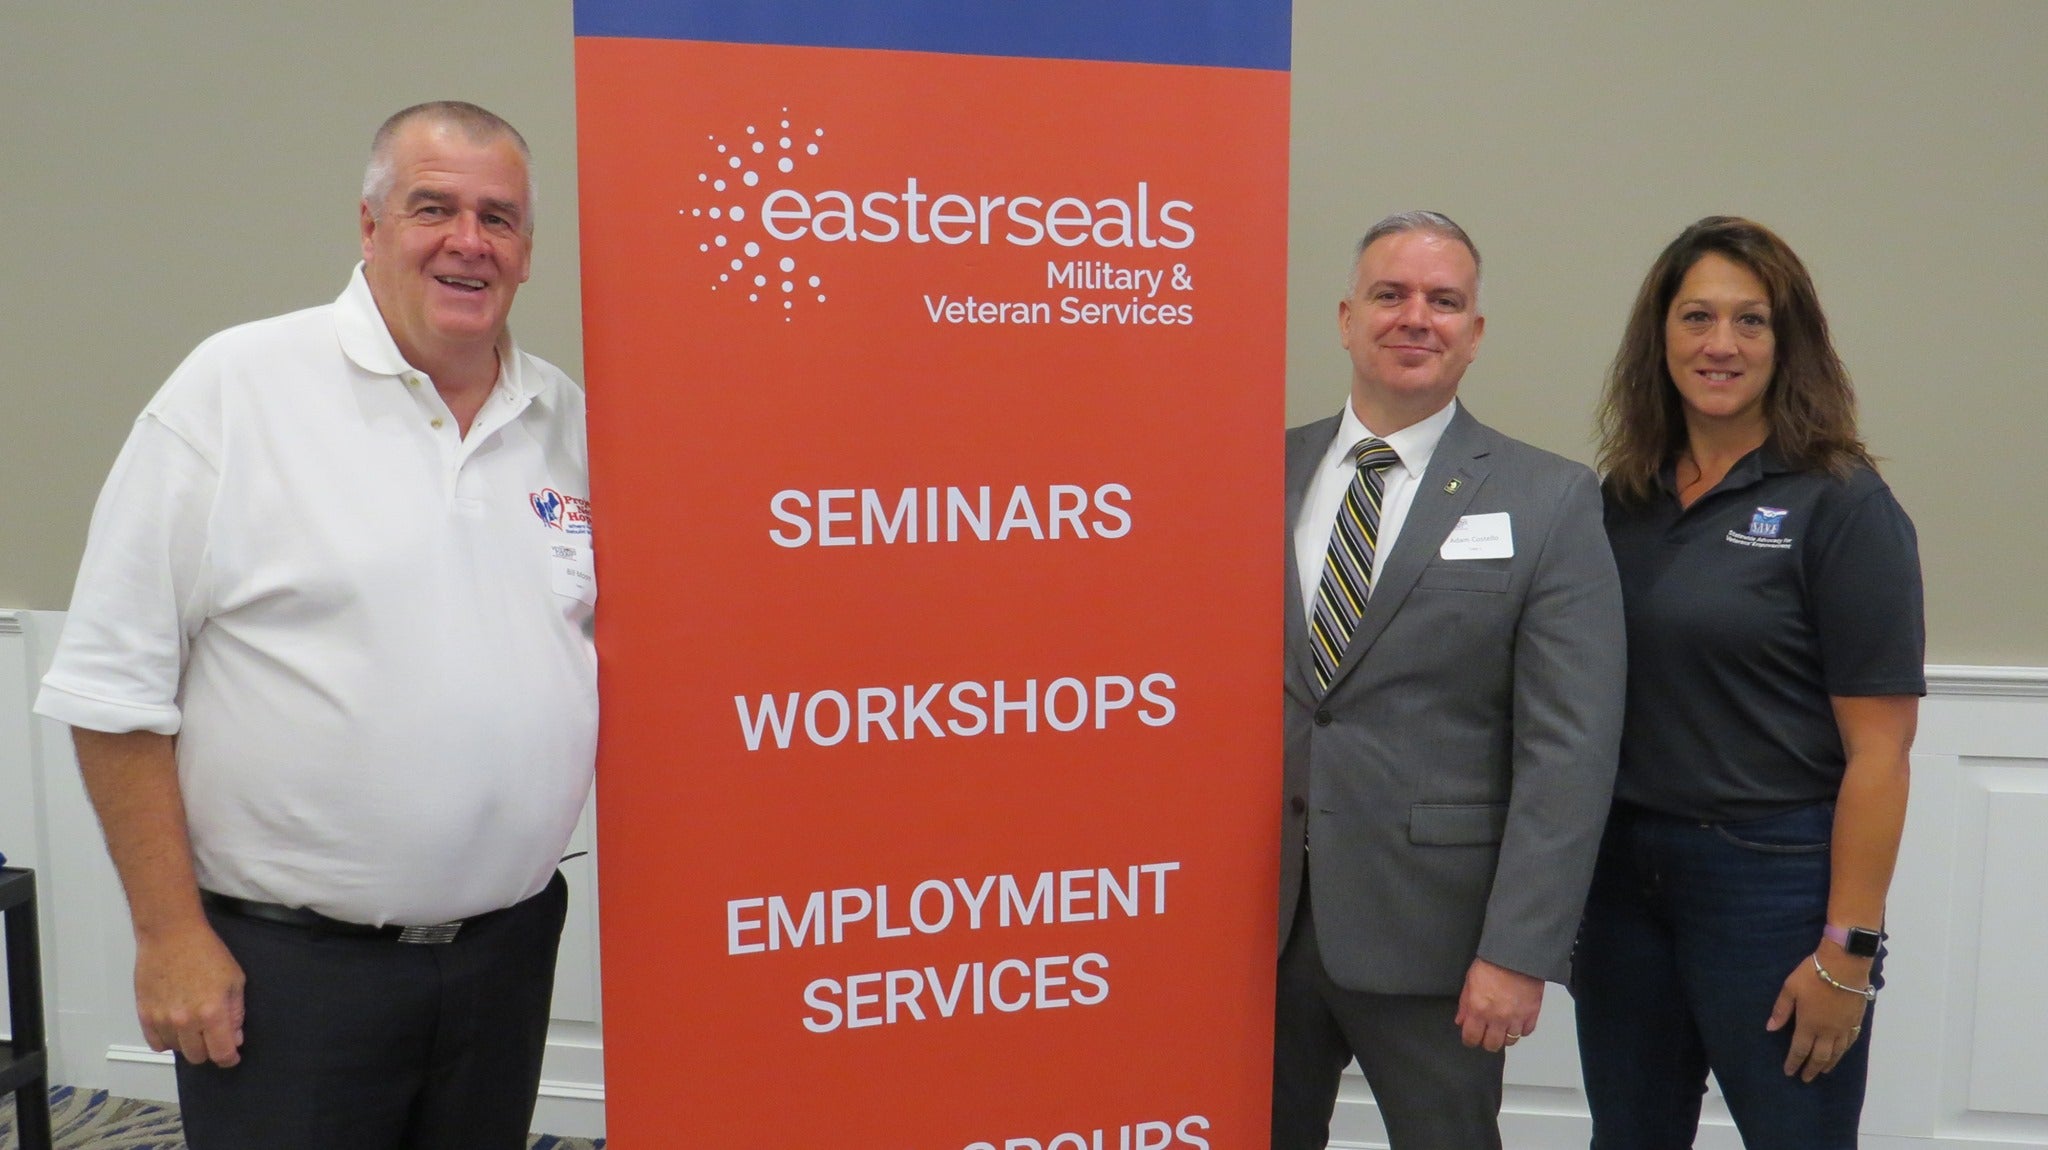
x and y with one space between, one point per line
1863 583
137 602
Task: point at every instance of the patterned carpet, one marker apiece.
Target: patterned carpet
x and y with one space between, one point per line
95 1120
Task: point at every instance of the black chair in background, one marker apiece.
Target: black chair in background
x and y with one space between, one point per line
24 1062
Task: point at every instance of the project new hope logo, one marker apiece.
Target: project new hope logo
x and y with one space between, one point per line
758 196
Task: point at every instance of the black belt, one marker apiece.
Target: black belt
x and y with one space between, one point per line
318 923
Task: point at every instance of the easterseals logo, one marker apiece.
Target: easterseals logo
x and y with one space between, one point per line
736 168
763 209
564 513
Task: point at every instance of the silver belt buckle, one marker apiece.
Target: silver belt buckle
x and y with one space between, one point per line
430 935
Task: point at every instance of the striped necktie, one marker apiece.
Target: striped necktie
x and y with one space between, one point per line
1347 568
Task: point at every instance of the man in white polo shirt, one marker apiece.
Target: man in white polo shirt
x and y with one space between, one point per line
334 697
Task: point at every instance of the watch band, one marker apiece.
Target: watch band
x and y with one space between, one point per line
1856 941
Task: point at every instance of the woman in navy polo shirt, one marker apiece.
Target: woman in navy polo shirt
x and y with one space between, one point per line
1775 636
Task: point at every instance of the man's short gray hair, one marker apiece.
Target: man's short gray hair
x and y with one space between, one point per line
1435 223
478 125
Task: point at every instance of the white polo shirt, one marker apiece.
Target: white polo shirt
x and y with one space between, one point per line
370 635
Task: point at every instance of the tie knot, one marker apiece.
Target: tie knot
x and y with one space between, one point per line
1374 454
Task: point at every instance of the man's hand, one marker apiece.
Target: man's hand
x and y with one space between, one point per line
188 988
1827 1021
188 996
1498 1005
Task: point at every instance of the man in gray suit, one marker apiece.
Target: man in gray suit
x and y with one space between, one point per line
1453 709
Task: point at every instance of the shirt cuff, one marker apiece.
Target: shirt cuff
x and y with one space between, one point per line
96 714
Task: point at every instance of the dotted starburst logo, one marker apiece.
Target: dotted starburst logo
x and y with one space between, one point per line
736 171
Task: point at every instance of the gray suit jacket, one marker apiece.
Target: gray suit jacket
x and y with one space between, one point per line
1453 781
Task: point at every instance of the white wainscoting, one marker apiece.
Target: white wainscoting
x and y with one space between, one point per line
89 951
1960 1058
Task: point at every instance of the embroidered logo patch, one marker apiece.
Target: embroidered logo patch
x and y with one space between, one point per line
1766 530
547 503
564 513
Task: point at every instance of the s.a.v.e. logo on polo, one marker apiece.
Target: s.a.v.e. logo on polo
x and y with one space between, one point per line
1112 256
1766 529
564 513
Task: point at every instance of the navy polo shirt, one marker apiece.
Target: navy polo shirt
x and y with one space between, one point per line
1746 611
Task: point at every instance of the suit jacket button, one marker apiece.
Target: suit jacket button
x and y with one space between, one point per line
1322 718
1299 804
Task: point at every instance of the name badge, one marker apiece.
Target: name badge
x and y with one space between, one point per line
575 570
1488 536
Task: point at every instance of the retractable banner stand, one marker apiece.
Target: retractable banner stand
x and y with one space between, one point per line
935 356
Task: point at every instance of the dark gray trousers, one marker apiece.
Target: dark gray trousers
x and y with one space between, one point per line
1433 1091
368 1044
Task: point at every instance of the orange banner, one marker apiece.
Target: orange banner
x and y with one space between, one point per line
935 409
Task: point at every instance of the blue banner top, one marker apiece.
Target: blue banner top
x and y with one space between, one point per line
1219 33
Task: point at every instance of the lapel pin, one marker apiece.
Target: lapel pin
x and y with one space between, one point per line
1451 488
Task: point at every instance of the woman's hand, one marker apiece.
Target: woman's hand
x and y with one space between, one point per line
1827 1020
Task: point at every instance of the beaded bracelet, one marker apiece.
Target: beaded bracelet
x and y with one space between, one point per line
1869 993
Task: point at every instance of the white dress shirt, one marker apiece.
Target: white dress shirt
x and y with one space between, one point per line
1325 495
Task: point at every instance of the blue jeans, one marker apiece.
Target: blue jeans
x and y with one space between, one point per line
1690 931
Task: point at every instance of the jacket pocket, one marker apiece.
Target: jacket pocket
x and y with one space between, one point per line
1456 824
1454 577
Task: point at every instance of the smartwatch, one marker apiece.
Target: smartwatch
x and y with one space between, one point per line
1856 941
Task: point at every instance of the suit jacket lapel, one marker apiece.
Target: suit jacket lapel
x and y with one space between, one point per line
1306 448
1461 457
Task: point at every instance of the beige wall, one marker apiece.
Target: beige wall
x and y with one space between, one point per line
168 169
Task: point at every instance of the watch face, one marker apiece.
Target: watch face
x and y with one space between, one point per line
1862 942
